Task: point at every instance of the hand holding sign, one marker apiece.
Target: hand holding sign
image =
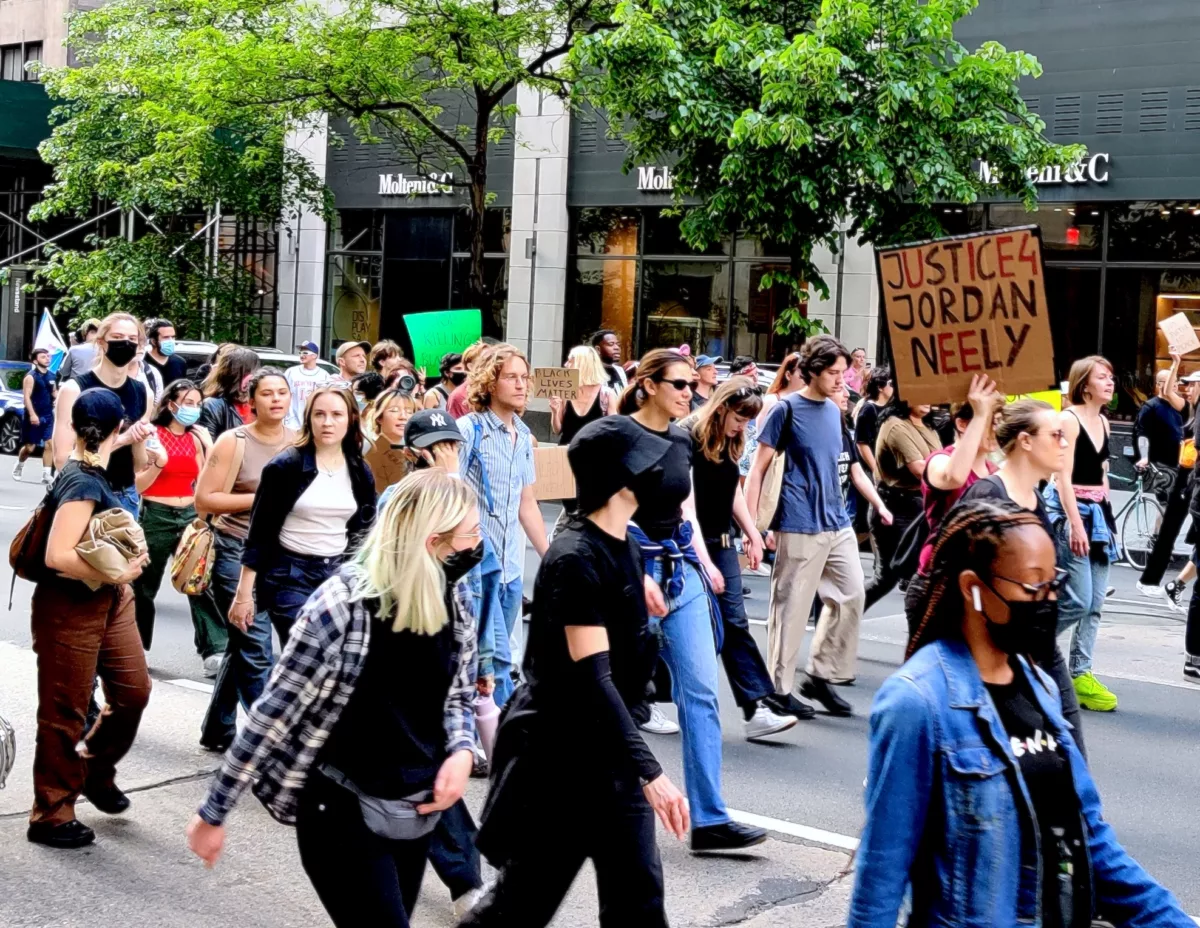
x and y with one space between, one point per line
560 382
1180 334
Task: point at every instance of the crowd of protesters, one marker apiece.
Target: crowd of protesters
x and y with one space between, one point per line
369 538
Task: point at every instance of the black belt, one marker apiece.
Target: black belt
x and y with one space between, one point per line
721 541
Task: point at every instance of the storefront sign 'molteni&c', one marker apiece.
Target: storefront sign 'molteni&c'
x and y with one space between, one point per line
1093 170
398 185
655 179
967 305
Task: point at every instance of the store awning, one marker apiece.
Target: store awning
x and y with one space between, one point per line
26 118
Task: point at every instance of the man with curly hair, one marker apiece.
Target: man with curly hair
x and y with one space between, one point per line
498 452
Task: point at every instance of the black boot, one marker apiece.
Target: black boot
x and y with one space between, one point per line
818 690
728 836
64 836
108 799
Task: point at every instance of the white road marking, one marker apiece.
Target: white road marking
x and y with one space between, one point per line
803 832
191 685
1138 678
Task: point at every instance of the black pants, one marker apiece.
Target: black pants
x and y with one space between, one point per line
1173 518
617 835
1191 640
906 508
452 852
748 677
361 879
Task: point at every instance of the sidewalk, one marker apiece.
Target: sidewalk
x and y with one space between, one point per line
140 874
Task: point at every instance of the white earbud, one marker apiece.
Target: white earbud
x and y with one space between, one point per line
975 600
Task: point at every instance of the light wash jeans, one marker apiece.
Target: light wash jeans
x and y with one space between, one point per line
690 651
1082 602
130 500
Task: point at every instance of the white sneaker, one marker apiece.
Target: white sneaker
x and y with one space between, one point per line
47 476
762 570
467 901
1149 589
17 469
659 724
212 665
764 722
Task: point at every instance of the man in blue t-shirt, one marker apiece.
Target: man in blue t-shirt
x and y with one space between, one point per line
816 551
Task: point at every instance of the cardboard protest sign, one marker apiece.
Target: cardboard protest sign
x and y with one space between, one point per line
388 465
1179 333
966 305
435 334
562 382
553 476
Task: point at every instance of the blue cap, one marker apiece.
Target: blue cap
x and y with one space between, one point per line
100 407
704 360
308 346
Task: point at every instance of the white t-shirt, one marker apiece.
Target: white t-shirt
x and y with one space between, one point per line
316 526
303 383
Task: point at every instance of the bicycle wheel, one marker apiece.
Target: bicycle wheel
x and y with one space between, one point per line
1139 528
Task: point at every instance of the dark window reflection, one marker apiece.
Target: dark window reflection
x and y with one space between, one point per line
685 302
1073 295
495 279
496 226
1154 231
1071 231
606 231
603 295
957 219
662 237
755 311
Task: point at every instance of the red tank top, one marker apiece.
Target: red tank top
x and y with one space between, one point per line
178 478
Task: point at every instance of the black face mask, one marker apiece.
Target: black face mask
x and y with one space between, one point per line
1031 628
458 378
458 564
120 353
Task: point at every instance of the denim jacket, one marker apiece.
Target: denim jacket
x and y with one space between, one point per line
1095 521
949 813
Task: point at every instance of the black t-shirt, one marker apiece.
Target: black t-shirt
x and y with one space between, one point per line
132 394
662 515
75 482
714 486
993 488
588 577
866 427
846 460
391 738
174 368
1162 426
1047 776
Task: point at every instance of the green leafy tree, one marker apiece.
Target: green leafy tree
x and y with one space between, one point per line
789 119
219 85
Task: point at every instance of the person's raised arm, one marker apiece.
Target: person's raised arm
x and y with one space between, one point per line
557 409
1170 393
950 471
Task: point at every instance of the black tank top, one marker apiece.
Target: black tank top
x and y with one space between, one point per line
573 422
1088 468
132 394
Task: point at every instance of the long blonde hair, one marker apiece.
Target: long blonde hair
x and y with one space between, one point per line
395 566
586 360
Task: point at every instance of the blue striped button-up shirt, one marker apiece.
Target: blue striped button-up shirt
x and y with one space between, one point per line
509 467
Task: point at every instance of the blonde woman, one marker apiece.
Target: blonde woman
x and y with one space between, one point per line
384 423
595 400
371 707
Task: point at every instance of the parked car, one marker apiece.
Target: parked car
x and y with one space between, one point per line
198 353
12 404
766 374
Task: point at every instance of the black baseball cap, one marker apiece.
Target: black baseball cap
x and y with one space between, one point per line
428 427
99 407
607 454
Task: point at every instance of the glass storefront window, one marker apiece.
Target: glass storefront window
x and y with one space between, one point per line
1168 231
755 311
661 237
603 296
1070 231
685 302
357 230
1073 295
354 286
495 278
748 246
606 231
497 223
957 219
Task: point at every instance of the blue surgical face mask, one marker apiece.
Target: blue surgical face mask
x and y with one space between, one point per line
167 346
362 402
187 415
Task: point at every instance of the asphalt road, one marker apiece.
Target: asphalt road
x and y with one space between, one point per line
1145 756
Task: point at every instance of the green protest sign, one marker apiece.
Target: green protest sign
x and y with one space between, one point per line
438 333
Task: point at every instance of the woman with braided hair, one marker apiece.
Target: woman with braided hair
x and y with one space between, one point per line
977 796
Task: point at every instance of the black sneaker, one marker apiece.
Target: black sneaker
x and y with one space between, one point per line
64 836
818 690
789 705
728 836
108 799
1175 591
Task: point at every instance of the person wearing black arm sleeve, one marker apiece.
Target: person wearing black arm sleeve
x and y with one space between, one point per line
589 658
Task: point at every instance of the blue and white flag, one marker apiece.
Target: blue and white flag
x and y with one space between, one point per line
48 337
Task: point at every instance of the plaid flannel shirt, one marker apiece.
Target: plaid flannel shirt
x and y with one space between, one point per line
310 686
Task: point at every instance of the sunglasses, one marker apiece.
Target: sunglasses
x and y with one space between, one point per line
680 384
1039 591
743 393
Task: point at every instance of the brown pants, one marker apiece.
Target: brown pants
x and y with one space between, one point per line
824 565
75 642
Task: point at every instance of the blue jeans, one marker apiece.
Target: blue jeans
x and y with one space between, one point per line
507 640
1080 604
129 499
691 654
283 588
247 662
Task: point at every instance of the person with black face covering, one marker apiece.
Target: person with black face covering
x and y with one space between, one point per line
980 808
589 658
453 374
365 733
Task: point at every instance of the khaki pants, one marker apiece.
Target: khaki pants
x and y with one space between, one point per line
806 566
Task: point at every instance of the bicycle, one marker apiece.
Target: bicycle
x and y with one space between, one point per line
1138 520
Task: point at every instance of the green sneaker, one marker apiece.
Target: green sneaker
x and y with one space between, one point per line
1093 694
